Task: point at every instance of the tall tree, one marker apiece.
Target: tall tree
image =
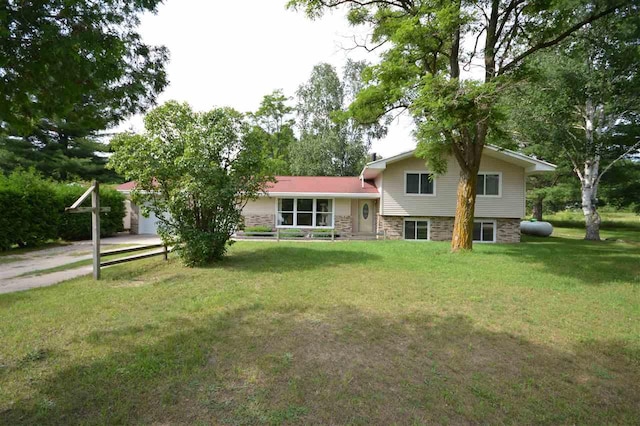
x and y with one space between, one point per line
273 125
331 141
71 68
583 106
427 44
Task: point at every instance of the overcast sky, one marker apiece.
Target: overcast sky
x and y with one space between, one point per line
232 53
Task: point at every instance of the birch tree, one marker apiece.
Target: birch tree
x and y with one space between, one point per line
583 106
427 50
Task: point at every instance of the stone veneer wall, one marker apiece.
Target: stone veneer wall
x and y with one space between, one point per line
260 220
442 228
343 224
392 226
508 230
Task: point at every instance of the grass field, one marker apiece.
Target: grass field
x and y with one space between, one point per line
547 331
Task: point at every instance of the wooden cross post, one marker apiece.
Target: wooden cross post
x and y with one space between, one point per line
95 210
95 228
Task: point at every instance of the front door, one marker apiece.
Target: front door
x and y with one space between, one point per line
365 216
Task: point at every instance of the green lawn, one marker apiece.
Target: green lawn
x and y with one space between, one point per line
547 331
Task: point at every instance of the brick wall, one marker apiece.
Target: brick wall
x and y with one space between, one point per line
441 228
343 224
392 226
260 220
508 230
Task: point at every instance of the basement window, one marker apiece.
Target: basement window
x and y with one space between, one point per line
484 231
416 229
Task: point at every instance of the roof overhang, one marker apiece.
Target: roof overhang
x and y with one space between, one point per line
530 164
360 195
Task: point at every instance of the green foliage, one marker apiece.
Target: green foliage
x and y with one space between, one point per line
427 49
70 69
579 108
273 126
30 210
332 142
77 226
620 187
260 228
33 211
195 171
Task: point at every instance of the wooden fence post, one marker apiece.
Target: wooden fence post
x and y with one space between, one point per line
95 228
278 234
165 253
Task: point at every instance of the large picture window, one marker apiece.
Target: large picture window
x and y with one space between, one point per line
416 229
420 183
488 184
305 212
484 231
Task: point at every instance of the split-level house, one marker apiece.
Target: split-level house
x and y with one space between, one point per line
397 197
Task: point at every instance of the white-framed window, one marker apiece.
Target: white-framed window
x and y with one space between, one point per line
489 184
419 183
484 231
305 212
417 229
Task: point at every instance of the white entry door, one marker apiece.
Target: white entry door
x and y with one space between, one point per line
365 215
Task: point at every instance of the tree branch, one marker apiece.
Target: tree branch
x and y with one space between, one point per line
543 45
620 157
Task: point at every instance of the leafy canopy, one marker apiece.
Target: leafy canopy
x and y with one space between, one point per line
331 142
195 171
68 70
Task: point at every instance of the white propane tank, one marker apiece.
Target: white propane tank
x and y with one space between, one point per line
539 229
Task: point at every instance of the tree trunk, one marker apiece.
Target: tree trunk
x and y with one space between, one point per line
537 209
589 192
589 177
463 223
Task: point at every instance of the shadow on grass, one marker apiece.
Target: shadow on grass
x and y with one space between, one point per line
332 366
589 261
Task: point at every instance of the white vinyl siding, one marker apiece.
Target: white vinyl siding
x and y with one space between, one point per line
394 201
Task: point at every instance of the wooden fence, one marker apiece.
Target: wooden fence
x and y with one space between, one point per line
164 251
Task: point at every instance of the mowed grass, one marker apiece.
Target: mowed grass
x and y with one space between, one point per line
547 331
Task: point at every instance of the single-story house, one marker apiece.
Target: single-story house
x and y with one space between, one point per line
396 196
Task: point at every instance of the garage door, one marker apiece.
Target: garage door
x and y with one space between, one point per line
148 225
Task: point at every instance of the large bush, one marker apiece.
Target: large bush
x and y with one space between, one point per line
28 210
77 226
32 211
195 171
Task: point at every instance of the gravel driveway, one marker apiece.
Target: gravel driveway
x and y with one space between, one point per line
16 272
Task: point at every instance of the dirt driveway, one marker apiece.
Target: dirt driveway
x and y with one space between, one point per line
21 272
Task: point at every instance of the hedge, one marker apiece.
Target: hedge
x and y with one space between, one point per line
77 226
28 210
32 211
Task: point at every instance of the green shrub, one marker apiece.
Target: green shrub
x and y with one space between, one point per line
28 212
323 233
259 231
260 228
291 233
77 226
